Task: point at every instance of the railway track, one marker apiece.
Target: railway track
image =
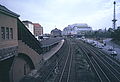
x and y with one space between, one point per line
45 73
58 68
72 66
104 71
102 65
77 61
113 70
96 66
101 76
67 68
64 73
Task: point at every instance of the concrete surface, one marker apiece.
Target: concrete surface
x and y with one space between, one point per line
50 53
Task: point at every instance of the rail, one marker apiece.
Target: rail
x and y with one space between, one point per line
105 63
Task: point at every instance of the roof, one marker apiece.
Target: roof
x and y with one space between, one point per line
50 41
6 11
80 25
56 30
26 21
36 25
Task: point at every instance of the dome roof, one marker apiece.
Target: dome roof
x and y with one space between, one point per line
77 25
56 30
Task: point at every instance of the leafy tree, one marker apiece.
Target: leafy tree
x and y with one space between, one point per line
116 34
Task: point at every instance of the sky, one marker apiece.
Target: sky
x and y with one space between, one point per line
60 13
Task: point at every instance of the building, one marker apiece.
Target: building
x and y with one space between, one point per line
29 25
20 51
8 41
35 28
38 29
56 32
76 29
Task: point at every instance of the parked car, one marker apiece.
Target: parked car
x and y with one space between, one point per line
113 53
110 49
100 47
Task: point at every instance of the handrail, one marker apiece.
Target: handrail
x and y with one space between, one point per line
26 36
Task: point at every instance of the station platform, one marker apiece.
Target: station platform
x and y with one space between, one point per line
50 53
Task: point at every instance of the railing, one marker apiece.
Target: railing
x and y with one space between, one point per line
26 36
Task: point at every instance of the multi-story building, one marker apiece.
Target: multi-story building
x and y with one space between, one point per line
35 28
29 25
38 29
8 41
56 32
76 29
20 52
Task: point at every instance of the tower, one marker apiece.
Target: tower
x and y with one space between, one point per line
114 18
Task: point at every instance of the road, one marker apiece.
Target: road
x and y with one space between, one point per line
116 47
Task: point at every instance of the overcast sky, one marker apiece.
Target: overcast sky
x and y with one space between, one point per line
60 13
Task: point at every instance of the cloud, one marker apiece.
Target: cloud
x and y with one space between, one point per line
60 13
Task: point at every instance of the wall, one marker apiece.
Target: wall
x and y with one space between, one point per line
18 66
35 57
38 31
7 21
31 28
19 69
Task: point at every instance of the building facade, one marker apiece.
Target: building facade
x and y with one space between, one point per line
29 25
8 41
38 29
8 32
56 32
76 29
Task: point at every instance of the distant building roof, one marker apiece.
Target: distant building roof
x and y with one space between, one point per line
36 25
56 30
6 11
80 25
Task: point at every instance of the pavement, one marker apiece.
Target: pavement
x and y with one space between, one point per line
50 41
50 53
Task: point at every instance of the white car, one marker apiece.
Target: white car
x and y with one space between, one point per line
113 53
110 49
100 47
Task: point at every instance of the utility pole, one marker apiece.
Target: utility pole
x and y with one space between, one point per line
114 18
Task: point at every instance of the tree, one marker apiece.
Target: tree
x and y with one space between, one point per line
116 34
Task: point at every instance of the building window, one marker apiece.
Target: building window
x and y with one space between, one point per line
3 32
11 33
7 33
